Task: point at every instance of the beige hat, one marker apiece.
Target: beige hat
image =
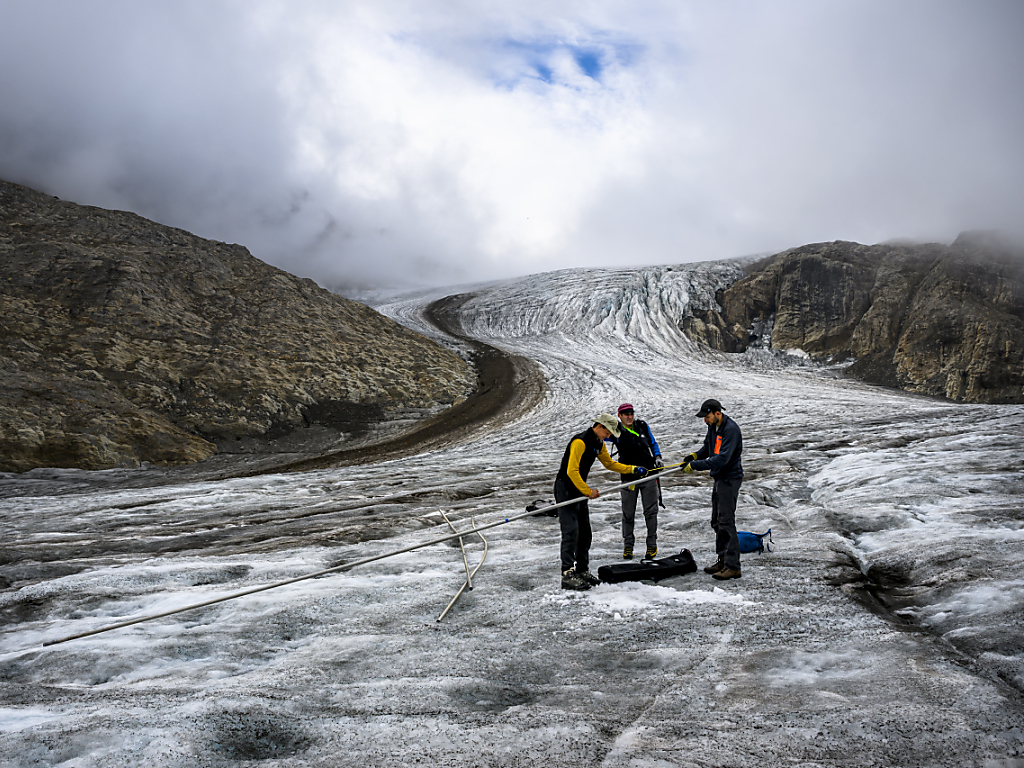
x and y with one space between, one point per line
609 421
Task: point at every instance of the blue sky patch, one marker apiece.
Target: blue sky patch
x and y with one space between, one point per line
589 61
536 54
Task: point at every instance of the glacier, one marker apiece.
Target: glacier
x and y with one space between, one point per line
885 627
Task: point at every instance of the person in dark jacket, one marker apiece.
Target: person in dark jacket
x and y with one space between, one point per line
636 445
721 452
571 483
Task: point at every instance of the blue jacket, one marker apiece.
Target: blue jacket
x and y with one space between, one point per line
721 451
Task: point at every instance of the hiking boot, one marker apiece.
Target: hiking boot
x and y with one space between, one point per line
627 553
572 580
727 573
652 552
590 578
715 567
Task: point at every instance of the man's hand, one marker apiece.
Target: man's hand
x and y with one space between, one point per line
658 463
687 468
691 457
594 493
639 471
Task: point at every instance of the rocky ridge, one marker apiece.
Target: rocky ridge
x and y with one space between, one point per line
124 341
932 319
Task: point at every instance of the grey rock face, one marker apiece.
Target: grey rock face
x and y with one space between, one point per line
934 319
124 341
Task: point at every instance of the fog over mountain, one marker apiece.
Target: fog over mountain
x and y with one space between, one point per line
434 143
885 627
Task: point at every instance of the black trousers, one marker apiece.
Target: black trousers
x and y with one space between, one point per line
577 536
723 520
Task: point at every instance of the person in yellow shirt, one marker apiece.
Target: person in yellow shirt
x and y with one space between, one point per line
571 483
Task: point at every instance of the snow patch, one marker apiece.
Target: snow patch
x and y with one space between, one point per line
634 598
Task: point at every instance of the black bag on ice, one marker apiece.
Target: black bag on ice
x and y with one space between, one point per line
650 570
539 505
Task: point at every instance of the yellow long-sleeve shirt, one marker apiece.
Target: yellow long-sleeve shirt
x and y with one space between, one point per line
576 449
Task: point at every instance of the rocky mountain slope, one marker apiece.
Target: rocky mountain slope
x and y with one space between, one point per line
124 341
934 319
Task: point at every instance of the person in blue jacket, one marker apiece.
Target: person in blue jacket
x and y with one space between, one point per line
720 454
636 445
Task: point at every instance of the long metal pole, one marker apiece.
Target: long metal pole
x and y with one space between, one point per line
469 579
343 567
462 546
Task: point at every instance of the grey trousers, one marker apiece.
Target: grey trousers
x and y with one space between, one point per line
723 520
648 493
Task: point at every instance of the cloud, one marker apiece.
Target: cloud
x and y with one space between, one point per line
426 142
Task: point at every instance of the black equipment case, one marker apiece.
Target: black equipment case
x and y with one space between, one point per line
649 570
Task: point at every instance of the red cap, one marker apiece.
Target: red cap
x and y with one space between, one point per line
625 407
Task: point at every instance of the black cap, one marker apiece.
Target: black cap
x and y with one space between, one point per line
708 406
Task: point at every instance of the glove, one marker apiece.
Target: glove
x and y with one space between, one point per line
658 463
640 471
687 468
691 457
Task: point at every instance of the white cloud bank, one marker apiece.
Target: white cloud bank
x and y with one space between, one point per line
427 142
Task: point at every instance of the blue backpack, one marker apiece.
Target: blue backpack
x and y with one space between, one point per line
755 542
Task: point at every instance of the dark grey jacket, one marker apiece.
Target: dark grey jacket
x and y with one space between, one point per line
721 452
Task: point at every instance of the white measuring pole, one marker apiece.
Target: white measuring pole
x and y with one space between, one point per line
469 576
347 566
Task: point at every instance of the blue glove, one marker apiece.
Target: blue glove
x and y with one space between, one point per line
640 471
